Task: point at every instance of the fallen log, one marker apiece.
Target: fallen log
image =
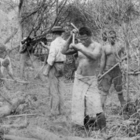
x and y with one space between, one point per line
23 115
19 126
41 134
12 137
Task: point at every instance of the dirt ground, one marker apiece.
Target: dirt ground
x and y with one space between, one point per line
116 124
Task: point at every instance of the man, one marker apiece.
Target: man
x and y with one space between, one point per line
30 52
54 70
25 56
86 101
112 53
5 64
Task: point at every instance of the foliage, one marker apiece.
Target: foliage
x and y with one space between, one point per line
39 16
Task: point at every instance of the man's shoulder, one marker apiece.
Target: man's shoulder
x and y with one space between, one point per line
58 40
96 44
106 46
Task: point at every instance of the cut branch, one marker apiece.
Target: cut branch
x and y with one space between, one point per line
12 137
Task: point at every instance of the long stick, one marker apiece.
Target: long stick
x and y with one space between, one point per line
21 115
7 100
111 68
74 26
12 137
14 80
73 38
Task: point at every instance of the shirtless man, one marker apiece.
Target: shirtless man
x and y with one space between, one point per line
86 101
112 53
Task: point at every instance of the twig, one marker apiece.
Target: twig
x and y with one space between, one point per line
21 115
111 68
14 80
12 137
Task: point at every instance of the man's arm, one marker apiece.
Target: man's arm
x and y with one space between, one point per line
102 62
47 70
66 46
51 59
71 51
91 54
45 46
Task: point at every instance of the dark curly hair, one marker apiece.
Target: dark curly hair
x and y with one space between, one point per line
85 31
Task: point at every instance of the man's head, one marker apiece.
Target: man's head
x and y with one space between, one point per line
112 37
85 36
3 51
57 31
104 36
85 31
5 63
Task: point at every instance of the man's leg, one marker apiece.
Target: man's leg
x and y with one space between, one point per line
118 87
101 121
94 107
55 94
104 87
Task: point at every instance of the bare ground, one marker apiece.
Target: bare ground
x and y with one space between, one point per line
116 125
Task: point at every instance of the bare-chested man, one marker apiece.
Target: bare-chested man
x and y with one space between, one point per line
86 101
112 53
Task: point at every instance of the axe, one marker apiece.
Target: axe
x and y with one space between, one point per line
73 35
117 64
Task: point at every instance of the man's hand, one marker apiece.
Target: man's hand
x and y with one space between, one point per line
5 63
72 46
46 74
74 31
76 46
42 43
47 70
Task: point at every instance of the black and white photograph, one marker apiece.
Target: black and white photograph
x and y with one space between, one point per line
69 69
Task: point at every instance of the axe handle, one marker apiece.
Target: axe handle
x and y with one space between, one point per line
111 68
108 71
74 26
73 38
